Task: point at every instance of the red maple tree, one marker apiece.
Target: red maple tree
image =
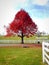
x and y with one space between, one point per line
22 25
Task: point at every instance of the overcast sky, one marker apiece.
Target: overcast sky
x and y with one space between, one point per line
37 9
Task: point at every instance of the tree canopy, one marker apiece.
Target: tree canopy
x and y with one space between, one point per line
22 23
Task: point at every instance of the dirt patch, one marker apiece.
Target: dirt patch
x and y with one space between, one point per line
31 45
22 45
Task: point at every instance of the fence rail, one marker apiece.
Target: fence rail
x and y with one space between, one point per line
45 52
10 41
19 41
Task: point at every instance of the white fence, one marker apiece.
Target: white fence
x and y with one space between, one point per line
10 41
45 52
19 41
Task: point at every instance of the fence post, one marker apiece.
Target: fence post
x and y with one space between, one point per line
43 51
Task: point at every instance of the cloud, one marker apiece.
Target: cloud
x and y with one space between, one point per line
40 2
43 24
39 11
13 3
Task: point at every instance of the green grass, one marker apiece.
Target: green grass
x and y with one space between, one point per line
21 56
16 38
10 38
25 38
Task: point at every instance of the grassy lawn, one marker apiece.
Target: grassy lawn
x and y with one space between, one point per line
21 56
10 38
33 39
25 38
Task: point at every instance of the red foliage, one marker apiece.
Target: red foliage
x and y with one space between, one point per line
22 23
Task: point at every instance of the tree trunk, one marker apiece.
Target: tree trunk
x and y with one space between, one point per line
22 38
